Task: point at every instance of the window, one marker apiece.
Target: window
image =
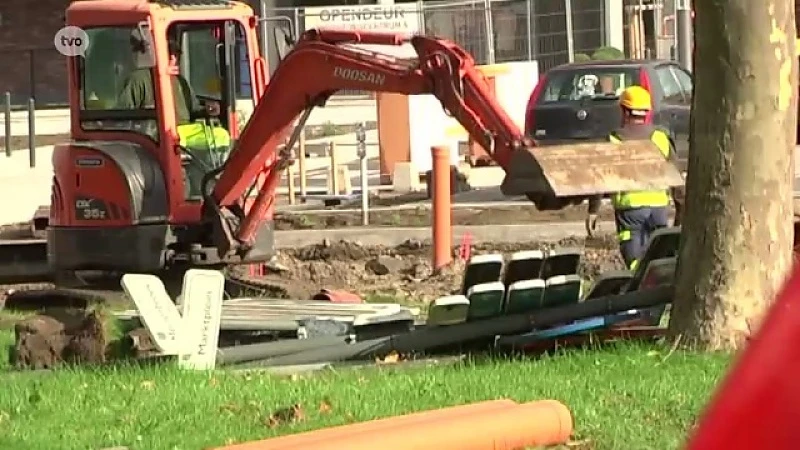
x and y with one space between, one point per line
588 83
206 144
673 94
199 63
685 81
117 91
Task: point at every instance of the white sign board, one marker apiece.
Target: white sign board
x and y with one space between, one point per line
193 335
157 311
202 314
514 81
402 19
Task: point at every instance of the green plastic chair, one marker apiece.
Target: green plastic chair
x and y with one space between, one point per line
524 265
482 269
562 290
486 300
448 310
524 296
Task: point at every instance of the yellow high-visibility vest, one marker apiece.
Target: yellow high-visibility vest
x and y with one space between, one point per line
202 137
643 199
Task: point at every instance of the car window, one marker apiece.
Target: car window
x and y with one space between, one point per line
685 81
673 94
588 83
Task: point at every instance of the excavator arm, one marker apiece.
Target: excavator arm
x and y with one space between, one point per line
325 61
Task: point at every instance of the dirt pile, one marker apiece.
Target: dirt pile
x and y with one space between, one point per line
377 272
47 340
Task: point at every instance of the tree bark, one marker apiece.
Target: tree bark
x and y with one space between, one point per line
737 231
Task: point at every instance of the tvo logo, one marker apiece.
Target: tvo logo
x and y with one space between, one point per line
71 41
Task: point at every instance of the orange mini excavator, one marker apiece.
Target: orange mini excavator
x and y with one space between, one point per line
161 173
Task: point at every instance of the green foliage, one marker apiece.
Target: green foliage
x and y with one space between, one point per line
624 397
608 53
582 57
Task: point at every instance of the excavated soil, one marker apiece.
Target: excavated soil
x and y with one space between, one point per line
421 217
390 273
379 273
53 338
405 271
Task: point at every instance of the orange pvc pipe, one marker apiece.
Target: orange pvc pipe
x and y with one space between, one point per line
539 423
442 229
373 426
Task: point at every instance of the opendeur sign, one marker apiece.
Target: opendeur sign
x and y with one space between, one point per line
362 14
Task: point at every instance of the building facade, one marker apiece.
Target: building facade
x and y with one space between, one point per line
31 66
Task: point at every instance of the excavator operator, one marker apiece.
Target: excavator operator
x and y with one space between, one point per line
206 143
637 214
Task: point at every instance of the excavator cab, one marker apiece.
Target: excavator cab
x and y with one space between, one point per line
156 103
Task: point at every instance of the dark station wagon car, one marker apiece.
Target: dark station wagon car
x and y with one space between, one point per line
579 101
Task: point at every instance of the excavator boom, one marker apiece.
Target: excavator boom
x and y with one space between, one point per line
325 61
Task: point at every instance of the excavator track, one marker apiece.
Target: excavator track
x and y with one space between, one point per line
27 296
29 283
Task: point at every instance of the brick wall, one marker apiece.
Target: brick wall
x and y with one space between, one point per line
26 45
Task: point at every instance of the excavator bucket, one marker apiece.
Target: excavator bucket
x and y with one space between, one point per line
575 170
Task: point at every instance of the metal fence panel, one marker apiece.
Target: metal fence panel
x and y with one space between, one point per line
493 31
514 37
460 22
588 17
550 33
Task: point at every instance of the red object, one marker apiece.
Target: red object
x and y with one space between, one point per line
465 251
758 405
334 296
644 81
442 220
530 117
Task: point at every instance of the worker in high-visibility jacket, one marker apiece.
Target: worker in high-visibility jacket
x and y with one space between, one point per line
206 144
637 214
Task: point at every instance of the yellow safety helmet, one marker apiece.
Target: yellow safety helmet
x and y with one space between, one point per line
636 98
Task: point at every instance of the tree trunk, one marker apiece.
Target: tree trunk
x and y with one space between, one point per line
737 231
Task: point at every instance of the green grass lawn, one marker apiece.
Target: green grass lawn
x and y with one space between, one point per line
632 397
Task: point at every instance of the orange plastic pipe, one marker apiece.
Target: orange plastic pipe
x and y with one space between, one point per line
540 423
373 426
442 230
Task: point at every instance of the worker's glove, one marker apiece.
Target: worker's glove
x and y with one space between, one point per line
591 224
